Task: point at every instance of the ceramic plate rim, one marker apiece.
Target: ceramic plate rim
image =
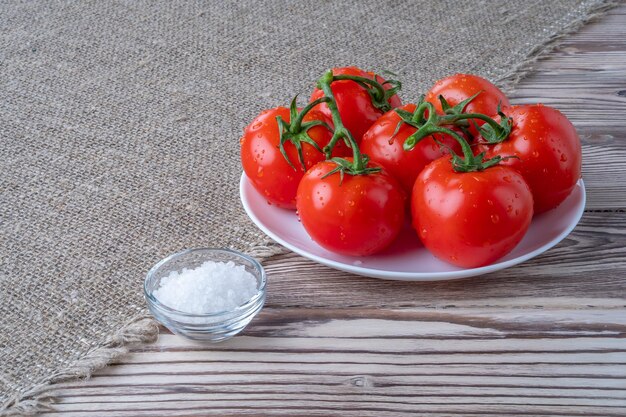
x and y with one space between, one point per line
411 276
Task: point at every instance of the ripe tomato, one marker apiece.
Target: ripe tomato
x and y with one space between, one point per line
358 216
470 219
268 171
548 153
354 102
459 87
380 144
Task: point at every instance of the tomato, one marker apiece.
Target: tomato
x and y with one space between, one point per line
359 215
268 171
354 102
548 153
380 144
459 87
470 219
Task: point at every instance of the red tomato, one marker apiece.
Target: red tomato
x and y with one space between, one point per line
265 166
381 146
549 153
470 219
354 102
459 87
358 216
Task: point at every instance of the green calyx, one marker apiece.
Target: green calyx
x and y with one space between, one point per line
468 163
297 131
497 133
379 95
346 167
491 131
358 165
415 119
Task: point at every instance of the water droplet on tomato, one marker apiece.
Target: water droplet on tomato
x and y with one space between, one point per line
495 218
509 209
490 202
351 203
259 172
535 154
256 125
563 157
506 178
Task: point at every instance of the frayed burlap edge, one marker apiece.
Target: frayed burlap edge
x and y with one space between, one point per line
508 81
140 330
144 329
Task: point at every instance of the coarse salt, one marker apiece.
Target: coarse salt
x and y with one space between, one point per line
213 287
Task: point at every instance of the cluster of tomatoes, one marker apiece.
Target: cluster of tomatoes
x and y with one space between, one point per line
469 168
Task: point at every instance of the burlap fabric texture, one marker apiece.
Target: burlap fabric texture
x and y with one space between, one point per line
119 127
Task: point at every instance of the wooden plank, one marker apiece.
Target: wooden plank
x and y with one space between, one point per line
365 362
585 79
544 338
574 270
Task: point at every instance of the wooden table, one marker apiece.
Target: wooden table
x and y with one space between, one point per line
543 338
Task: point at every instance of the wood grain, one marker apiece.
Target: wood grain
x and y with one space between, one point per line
546 338
560 273
360 362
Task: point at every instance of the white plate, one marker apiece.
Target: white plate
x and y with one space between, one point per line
407 259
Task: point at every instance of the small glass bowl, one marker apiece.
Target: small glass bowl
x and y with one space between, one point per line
211 327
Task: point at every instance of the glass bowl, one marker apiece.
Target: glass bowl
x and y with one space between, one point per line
210 327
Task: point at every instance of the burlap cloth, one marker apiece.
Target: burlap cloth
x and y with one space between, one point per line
119 127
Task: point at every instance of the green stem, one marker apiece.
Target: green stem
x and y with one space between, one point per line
296 123
340 130
451 119
418 115
432 127
468 163
465 147
378 94
379 90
